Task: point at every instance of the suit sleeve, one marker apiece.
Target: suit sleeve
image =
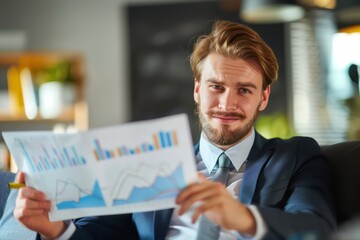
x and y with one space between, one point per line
307 206
105 227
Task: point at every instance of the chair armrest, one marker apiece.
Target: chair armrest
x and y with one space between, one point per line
5 177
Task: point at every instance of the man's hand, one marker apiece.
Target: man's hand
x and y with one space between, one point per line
218 205
32 211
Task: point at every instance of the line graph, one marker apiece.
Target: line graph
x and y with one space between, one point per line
70 195
147 182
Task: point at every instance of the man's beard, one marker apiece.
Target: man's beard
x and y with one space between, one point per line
225 136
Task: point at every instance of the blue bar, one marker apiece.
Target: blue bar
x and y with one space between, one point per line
77 159
168 136
67 156
162 140
46 152
83 160
42 163
64 162
56 164
151 148
48 159
107 154
48 166
53 163
58 158
40 166
36 165
27 156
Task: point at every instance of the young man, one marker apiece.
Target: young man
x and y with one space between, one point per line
276 188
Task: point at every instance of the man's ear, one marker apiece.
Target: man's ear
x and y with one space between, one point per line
196 90
265 98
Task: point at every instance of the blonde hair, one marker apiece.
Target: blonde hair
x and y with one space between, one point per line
235 40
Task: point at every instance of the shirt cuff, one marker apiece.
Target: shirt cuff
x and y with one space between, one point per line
261 228
67 233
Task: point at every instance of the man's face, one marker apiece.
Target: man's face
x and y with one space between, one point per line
229 96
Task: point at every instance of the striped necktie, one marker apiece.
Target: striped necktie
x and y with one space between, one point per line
208 230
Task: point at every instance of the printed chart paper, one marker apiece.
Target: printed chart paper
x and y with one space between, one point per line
133 167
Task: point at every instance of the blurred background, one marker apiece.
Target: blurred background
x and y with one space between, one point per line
70 65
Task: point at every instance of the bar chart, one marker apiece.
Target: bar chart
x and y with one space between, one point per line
159 141
52 158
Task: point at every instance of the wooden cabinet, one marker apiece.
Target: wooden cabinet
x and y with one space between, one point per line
44 67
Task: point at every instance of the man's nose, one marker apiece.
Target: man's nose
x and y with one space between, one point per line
227 101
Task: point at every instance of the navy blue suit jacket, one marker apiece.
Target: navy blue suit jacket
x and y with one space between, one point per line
288 180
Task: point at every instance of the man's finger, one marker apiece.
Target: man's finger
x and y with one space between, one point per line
20 178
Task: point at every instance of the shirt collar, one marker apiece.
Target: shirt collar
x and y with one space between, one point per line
237 153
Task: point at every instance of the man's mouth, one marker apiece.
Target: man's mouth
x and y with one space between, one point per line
226 117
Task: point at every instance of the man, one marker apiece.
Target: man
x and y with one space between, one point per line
276 188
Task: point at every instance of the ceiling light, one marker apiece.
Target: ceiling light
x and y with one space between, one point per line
270 11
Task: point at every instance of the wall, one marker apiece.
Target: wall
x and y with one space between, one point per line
95 28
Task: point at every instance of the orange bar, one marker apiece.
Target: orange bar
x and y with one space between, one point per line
119 152
112 154
96 155
137 150
174 136
156 141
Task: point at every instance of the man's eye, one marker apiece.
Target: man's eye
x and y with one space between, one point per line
244 90
216 87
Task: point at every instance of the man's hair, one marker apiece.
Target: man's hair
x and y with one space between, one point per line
235 40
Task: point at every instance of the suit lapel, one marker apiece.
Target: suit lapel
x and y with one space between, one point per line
258 156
